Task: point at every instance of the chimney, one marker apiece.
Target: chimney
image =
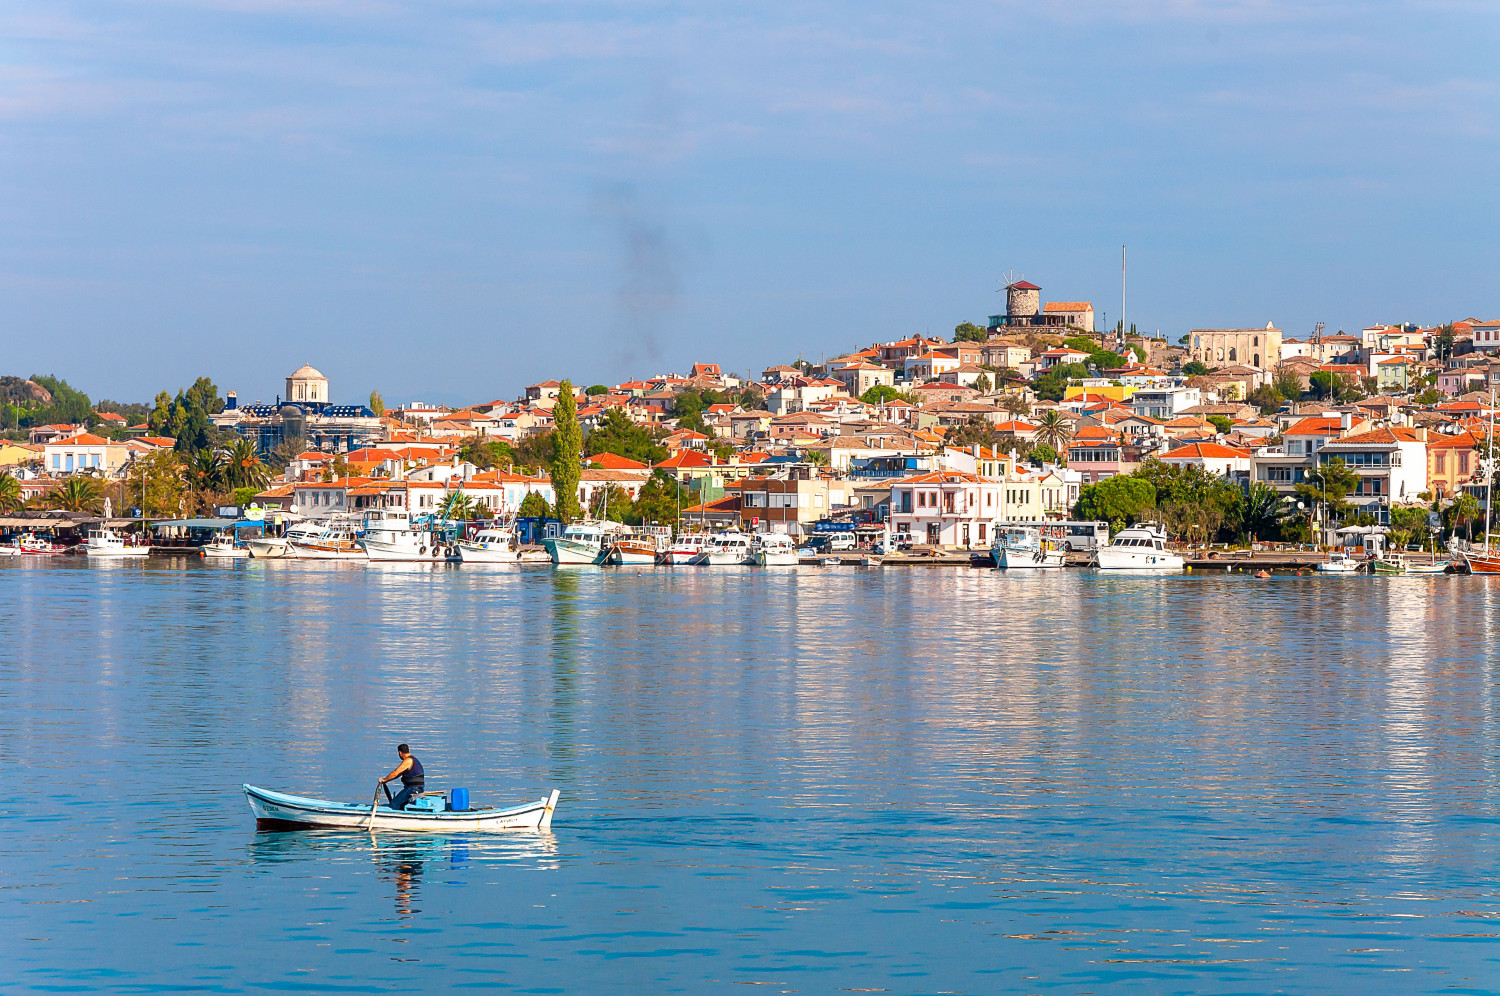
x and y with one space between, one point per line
1421 433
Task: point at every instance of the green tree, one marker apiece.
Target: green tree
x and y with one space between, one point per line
1408 524
1442 343
1328 485
568 439
1193 500
1266 399
1222 423
1042 453
486 453
1015 403
1263 511
377 403
610 502
1287 383
659 500
1463 511
534 506
156 481
457 507
1193 368
879 394
982 384
10 492
617 434
690 405
594 389
243 496
77 494
242 466
969 332
536 451
1054 429
1106 359
1121 501
1328 385
1431 396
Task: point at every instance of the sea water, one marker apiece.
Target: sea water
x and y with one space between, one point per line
808 780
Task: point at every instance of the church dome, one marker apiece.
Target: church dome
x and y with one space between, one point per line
307 370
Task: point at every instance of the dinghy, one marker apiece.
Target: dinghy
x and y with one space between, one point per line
431 812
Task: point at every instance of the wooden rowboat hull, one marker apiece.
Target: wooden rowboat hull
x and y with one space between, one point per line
279 811
1479 564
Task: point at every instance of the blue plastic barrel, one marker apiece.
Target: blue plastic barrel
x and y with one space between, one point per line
458 800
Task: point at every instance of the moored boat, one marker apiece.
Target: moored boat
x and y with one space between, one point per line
1338 562
774 550
390 535
1023 548
106 542
1389 563
32 545
643 547
279 547
223 547
495 545
429 813
724 550
1138 548
684 549
580 543
337 541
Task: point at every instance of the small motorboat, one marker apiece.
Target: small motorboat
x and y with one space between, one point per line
1338 562
431 812
223 547
1436 567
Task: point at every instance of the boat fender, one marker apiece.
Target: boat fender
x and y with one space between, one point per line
421 550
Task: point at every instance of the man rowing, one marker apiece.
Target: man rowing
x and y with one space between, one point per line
412 778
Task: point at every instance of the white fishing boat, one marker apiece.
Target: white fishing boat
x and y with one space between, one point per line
495 545
774 550
9 550
1139 548
223 547
337 541
685 548
1435 567
1023 548
390 535
106 542
1338 562
278 547
428 813
32 545
580 543
724 550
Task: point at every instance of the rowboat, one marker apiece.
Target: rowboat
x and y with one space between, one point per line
279 811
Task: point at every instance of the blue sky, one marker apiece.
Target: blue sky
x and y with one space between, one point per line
448 200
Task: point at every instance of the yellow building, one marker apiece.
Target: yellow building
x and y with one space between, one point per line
1114 392
18 454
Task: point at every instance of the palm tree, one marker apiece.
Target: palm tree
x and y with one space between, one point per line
457 506
1264 509
1054 430
10 492
1464 510
77 494
205 470
242 466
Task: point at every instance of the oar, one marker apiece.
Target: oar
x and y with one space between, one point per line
374 804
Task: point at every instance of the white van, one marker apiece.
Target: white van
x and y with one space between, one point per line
840 542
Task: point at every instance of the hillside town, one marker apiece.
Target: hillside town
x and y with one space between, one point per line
1221 435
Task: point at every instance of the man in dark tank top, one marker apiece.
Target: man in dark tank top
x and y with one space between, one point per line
412 777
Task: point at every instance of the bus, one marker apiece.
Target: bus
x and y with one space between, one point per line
1080 537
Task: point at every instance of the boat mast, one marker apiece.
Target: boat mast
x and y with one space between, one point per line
1489 475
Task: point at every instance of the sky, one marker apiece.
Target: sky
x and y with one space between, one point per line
448 200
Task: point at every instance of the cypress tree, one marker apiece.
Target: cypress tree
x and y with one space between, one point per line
568 440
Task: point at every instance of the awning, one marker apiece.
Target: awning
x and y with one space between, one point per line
201 523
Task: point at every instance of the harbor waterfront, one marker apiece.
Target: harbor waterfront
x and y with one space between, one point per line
811 780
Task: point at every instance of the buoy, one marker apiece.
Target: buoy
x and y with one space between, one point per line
1262 574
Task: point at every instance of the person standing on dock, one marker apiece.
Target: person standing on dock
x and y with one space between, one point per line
413 779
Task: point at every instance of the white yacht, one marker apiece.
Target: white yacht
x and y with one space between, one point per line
774 550
1139 548
1022 548
108 543
390 535
495 545
338 540
724 550
580 543
223 547
276 547
685 548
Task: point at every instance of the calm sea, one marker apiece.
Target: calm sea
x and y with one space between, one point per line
805 780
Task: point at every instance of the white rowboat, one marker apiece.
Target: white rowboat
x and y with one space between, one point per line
278 811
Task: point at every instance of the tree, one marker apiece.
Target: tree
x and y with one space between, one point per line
377 403
1464 510
1442 343
1042 453
77 494
1193 500
185 418
976 431
1408 524
879 394
1122 501
1266 399
1223 423
969 332
1431 396
485 453
10 492
1106 359
982 384
594 389
243 496
242 466
1329 385
1263 510
610 502
1193 368
1328 485
568 440
534 506
1014 403
204 470
536 451
1287 383
457 506
617 434
157 482
659 500
1054 429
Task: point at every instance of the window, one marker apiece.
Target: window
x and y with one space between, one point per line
1231 354
1255 341
1438 463
1463 463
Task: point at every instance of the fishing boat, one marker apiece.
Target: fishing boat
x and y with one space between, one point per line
9 550
685 548
390 535
1338 562
724 550
1436 567
495 545
337 541
1390 562
642 548
108 543
1023 548
1138 548
580 543
32 545
223 547
278 547
431 812
774 550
